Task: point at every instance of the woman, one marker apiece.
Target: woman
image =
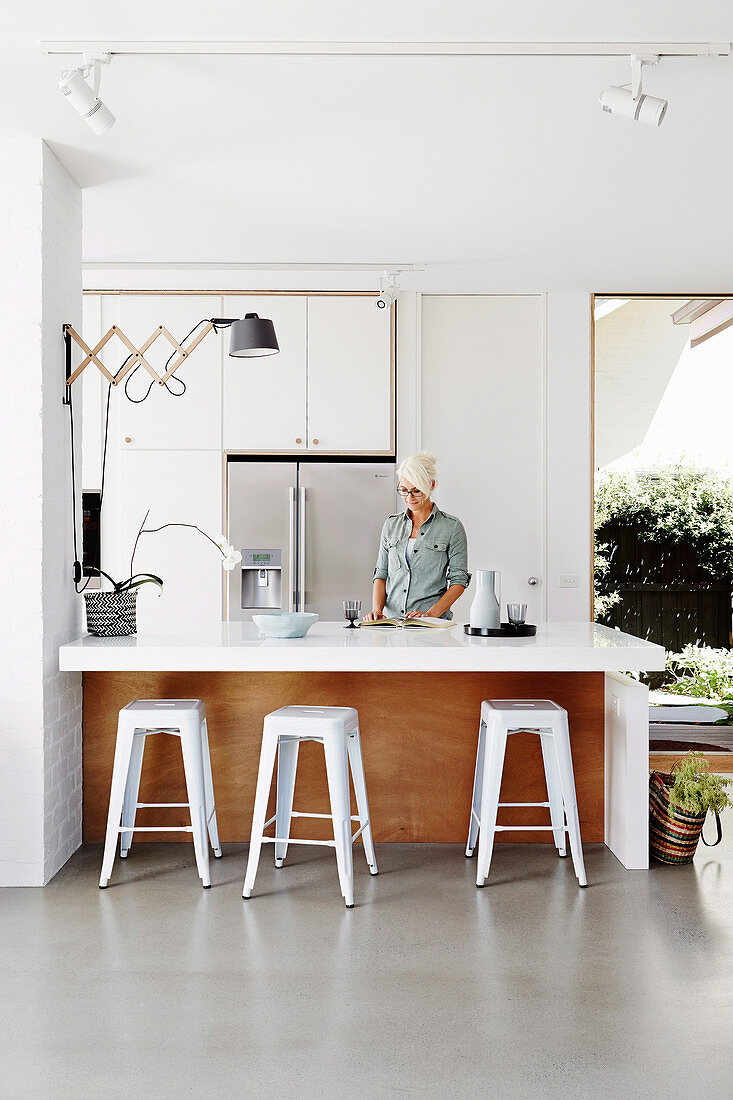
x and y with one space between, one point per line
423 556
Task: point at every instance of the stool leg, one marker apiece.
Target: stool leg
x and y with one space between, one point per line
554 792
337 771
496 736
353 744
287 765
193 767
565 764
209 791
262 794
123 750
478 777
132 791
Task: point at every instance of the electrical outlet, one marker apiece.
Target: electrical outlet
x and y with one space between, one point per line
614 705
567 580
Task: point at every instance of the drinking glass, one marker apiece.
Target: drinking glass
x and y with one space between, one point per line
352 610
517 613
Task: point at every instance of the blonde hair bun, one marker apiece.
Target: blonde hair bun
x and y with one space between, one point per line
419 470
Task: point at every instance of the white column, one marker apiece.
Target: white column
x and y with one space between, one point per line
40 708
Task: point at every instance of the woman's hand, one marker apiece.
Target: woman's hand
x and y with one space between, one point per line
378 614
416 614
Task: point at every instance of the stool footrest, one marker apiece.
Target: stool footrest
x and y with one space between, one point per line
528 829
155 829
294 840
545 804
329 817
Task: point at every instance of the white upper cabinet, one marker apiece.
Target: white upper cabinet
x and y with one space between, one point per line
350 376
265 398
163 421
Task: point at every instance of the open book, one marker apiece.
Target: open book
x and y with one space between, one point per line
426 620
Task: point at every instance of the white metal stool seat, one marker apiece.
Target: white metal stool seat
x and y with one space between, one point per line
337 728
184 718
499 718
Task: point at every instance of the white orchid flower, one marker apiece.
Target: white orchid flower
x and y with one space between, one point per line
231 558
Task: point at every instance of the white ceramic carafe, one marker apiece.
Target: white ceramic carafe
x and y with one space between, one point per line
486 607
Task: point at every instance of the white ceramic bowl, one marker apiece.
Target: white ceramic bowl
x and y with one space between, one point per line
285 624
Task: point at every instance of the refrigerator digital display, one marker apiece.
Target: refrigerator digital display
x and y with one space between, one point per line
264 558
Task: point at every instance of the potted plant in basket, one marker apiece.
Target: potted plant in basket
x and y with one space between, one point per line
678 805
113 613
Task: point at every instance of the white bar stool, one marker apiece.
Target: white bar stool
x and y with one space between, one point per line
337 728
499 718
184 718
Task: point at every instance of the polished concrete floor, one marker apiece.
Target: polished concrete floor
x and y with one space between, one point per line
427 988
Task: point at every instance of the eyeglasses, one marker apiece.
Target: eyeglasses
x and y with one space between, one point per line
414 493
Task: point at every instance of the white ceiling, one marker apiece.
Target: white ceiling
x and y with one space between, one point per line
497 173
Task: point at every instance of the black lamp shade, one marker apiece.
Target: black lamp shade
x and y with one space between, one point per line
252 337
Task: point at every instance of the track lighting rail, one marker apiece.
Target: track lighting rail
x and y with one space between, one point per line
397 49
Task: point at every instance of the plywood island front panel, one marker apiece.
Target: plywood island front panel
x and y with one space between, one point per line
419 733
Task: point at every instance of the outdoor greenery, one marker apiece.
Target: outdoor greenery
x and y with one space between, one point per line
602 601
678 504
694 789
700 671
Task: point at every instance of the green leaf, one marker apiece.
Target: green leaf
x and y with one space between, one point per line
148 578
101 573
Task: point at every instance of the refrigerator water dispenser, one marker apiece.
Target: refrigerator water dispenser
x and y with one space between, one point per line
262 580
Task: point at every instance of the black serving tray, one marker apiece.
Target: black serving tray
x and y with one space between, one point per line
506 630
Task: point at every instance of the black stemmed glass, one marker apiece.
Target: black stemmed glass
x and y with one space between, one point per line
352 610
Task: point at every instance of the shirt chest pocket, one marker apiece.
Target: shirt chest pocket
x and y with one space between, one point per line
436 553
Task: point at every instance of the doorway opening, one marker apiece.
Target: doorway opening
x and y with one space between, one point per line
663 505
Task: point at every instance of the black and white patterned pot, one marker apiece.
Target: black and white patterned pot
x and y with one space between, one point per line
111 614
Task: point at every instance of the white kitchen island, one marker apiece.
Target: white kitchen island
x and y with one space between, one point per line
418 692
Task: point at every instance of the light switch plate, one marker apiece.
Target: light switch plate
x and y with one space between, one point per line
567 580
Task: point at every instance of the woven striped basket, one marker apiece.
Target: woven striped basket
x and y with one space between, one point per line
673 834
111 614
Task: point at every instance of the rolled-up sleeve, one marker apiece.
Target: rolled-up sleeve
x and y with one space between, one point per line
458 557
380 569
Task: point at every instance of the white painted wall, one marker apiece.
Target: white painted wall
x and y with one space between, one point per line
568 499
659 401
40 708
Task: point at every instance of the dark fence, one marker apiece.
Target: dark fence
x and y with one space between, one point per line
665 596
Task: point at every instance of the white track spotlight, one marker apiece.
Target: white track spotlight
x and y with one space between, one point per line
628 100
85 98
388 290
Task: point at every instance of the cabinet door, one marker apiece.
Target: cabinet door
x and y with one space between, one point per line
165 421
350 376
264 399
177 487
482 387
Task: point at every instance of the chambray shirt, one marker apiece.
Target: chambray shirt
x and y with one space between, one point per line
440 559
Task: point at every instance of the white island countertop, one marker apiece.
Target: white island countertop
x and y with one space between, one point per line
329 647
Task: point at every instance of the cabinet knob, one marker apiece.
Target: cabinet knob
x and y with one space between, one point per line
315 442
298 439
128 439
533 580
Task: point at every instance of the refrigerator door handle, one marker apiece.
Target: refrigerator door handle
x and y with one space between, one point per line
292 589
301 550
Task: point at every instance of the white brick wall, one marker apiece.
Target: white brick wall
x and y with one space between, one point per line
40 709
659 401
637 351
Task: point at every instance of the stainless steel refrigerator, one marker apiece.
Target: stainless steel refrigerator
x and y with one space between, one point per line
308 532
